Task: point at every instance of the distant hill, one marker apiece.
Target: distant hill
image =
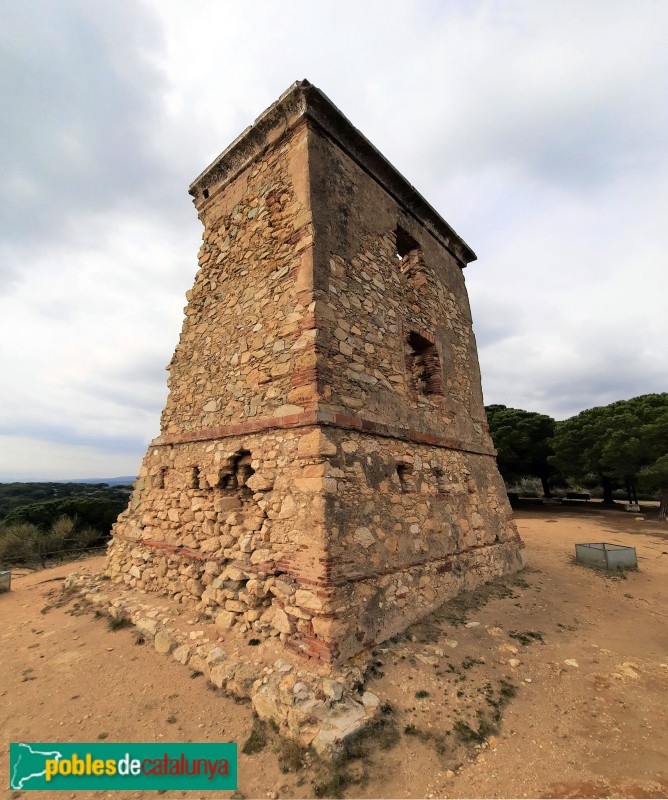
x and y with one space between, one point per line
125 480
16 494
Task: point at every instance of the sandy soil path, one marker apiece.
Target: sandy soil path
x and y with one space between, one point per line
588 716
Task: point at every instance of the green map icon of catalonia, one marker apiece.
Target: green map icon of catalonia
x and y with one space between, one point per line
28 763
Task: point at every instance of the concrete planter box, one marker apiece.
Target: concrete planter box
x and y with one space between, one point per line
5 580
606 556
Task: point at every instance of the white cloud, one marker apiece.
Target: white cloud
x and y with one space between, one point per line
536 129
24 458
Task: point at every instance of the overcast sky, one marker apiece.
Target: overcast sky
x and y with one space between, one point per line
538 130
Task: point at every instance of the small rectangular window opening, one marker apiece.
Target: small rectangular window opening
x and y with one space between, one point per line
405 243
424 365
194 478
162 475
237 472
406 477
407 252
442 482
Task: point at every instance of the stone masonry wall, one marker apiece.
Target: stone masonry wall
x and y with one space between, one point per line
236 526
247 346
330 539
372 301
324 471
409 527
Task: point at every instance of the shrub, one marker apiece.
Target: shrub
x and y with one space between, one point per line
26 543
528 487
18 543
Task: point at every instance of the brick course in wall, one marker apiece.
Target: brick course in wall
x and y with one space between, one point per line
324 471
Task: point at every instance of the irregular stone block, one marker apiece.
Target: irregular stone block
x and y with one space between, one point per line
280 621
222 673
216 656
225 620
163 642
182 653
306 599
332 689
148 627
339 726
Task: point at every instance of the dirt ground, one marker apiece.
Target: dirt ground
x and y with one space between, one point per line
551 683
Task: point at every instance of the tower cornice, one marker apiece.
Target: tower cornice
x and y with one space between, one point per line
305 101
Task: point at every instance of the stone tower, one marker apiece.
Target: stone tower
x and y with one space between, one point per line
324 471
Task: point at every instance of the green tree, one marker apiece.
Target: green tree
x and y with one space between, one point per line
98 513
523 441
655 478
23 494
617 442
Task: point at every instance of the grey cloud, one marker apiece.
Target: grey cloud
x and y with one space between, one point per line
600 382
83 105
68 434
136 393
494 320
604 367
146 369
566 94
145 398
536 129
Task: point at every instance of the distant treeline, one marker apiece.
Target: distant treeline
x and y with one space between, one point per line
41 522
623 445
21 494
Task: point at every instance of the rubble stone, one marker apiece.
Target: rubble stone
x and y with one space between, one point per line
163 642
182 653
324 471
332 689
